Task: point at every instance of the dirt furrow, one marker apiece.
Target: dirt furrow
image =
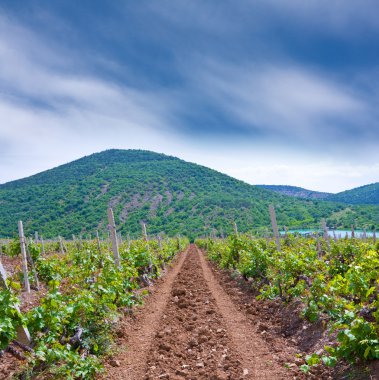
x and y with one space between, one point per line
255 354
192 342
130 363
191 329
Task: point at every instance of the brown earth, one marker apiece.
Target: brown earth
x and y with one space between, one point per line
191 329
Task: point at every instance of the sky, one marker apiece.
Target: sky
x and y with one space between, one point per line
267 91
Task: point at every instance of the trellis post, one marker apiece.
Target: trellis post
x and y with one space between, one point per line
43 245
235 228
61 244
274 226
144 232
113 235
23 256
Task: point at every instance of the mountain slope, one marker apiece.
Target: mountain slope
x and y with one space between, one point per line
171 195
295 191
368 194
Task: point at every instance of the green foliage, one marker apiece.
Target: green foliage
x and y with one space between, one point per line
339 284
86 294
368 194
10 317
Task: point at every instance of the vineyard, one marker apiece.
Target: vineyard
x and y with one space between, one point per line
72 313
241 307
332 282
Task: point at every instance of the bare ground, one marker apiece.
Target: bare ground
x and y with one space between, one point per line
191 329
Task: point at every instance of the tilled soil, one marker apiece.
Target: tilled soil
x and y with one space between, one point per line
198 333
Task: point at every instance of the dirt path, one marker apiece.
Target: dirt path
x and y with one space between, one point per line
131 363
190 329
255 353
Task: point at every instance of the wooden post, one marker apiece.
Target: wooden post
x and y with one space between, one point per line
113 235
159 242
43 245
235 228
325 229
23 255
23 335
144 232
352 231
319 253
374 236
274 226
36 237
364 234
109 240
326 235
61 244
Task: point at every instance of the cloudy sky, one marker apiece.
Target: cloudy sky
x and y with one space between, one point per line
268 91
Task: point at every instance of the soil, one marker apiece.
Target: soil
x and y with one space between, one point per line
191 329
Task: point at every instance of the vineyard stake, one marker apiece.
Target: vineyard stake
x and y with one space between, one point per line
144 232
159 242
43 245
23 255
274 226
326 235
235 228
352 231
61 245
113 235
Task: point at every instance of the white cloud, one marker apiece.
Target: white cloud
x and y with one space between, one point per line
330 177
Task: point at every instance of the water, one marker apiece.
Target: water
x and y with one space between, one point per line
338 233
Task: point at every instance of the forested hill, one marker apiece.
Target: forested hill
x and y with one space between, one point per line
368 194
295 191
167 193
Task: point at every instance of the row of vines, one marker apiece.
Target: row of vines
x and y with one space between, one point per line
337 281
84 296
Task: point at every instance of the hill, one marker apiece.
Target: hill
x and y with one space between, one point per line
169 194
368 194
294 191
